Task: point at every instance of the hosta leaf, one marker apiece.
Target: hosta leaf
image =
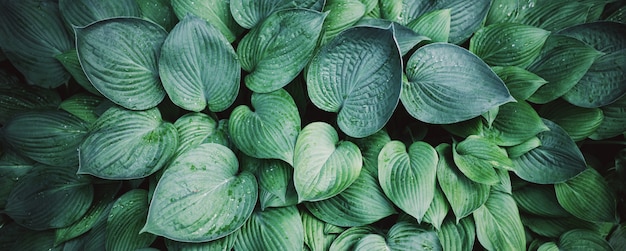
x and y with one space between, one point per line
358 75
618 237
466 17
498 224
249 13
273 229
614 122
361 203
463 194
323 165
83 106
406 38
520 82
126 218
435 25
516 122
476 157
225 243
578 122
588 197
539 200
47 136
553 15
49 197
563 62
508 44
202 198
31 34
341 15
278 49
16 97
371 242
119 57
70 61
158 11
556 160
196 128
271 130
581 239
457 236
408 177
216 12
40 240
554 227
276 183
503 11
520 149
619 15
198 67
316 238
95 239
10 174
448 84
438 209
79 13
408 236
124 144
348 239
370 147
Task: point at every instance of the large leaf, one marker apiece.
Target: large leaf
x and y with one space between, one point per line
358 75
520 82
31 34
124 144
588 197
198 66
119 57
578 122
498 223
614 122
249 13
79 13
448 84
49 136
216 12
278 49
457 236
126 218
508 44
49 197
272 229
201 196
556 160
476 157
16 97
408 177
515 123
323 165
271 130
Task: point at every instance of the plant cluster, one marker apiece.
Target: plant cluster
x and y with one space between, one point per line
312 125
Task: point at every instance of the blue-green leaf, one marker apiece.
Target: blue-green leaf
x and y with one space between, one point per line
158 11
539 200
276 187
434 25
196 128
79 13
16 97
370 147
225 243
457 236
126 218
516 123
614 122
83 106
273 229
342 14
216 12
578 122
70 61
476 157
249 13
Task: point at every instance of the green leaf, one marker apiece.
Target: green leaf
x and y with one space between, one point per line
273 229
618 238
504 11
124 144
225 243
119 57
277 50
216 12
408 177
588 197
516 123
618 15
498 224
198 67
476 157
31 34
323 165
276 187
342 14
47 136
316 238
79 13
438 209
508 44
406 38
563 62
196 128
49 197
10 174
578 122
557 159
41 240
360 204
127 216
457 236
463 194
466 17
539 200
202 198
373 242
520 82
249 13
448 84
271 130
554 15
408 236
581 239
358 75
614 122
349 238
16 97
520 149
83 106
158 11
70 61
370 147
434 24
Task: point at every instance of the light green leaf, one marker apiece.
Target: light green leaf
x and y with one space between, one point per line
225 243
498 223
349 238
371 242
578 122
50 137
516 123
273 229
216 12
554 15
520 149
508 44
406 38
277 50
271 130
360 204
463 194
196 128
83 106
316 238
198 67
370 147
202 198
127 216
539 200
124 144
557 159
31 34
249 13
434 24
457 236
119 57
476 157
276 187
408 236
323 165
16 97
588 197
342 14
70 61
79 13
49 197
408 177
438 209
158 11
448 84
358 75
520 82
614 122
581 239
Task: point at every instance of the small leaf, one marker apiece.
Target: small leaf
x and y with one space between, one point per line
578 122
406 38
249 13
520 82
276 187
518 150
438 209
508 44
498 224
448 84
588 197
79 13
516 123
127 216
216 12
457 236
476 157
434 24
614 122
202 198
323 165
273 229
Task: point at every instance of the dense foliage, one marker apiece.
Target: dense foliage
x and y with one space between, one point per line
312 125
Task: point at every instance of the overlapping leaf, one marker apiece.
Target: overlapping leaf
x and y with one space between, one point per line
520 82
508 44
158 11
438 209
348 239
435 25
342 15
370 147
79 13
83 106
406 38
498 223
578 122
126 218
583 240
216 12
225 243
402 236
539 200
515 123
614 122
70 61
316 235
249 13
457 236
197 128
587 196
476 157
276 187
273 229
16 97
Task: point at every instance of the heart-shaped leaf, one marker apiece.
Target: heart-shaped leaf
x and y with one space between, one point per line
498 223
434 24
588 197
273 229
358 75
520 82
216 12
198 66
457 236
79 13
323 165
448 84
201 196
249 13
126 218
271 130
578 122
278 49
119 57
124 144
408 177
476 157
508 44
516 123
614 122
